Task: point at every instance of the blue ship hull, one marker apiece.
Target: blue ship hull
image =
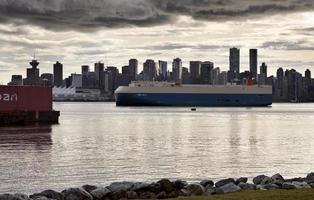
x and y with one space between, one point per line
192 100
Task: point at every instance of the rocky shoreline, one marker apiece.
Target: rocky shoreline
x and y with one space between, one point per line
166 188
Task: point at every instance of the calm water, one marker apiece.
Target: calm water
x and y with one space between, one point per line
97 143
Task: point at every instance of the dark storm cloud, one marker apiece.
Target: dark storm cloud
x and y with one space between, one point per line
86 14
178 46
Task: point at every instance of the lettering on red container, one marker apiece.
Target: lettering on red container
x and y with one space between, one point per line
4 97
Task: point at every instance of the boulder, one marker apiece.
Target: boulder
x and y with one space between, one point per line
185 193
179 184
295 185
206 183
99 193
278 179
172 195
195 189
147 195
155 188
241 180
9 197
310 176
161 195
270 186
131 195
76 194
224 182
41 198
209 191
166 185
22 196
140 186
266 181
89 188
117 186
258 179
51 194
120 194
312 185
228 188
247 186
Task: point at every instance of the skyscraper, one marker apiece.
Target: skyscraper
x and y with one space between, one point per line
263 69
234 60
195 70
163 68
253 63
85 80
58 74
133 69
206 72
149 70
32 74
177 70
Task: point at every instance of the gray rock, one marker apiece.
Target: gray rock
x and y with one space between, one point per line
172 195
155 188
241 180
228 188
277 179
161 195
166 185
312 185
266 181
99 193
89 188
22 196
288 186
206 183
147 195
310 176
185 193
9 197
41 198
209 191
295 180
120 194
224 182
179 184
76 194
140 186
195 189
51 194
295 185
271 186
247 186
117 186
258 179
260 187
131 195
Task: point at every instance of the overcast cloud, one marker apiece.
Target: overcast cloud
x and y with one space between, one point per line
78 32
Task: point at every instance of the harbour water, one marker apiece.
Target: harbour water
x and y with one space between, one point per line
98 143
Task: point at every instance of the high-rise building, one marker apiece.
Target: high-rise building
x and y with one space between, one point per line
85 80
262 77
234 60
16 80
177 70
58 74
253 63
149 70
195 70
99 70
125 70
206 71
32 74
215 76
47 79
163 70
263 69
308 74
133 69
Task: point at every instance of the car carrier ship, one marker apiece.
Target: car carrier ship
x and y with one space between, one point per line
172 94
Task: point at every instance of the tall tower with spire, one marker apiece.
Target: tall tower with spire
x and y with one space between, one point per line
32 74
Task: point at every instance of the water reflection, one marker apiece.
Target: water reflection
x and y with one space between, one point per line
37 136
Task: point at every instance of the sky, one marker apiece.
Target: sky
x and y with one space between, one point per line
80 32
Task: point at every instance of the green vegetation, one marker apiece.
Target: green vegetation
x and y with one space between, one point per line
301 194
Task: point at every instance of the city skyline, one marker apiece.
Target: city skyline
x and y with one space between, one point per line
282 31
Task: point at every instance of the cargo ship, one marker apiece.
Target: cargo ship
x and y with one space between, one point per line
20 105
172 94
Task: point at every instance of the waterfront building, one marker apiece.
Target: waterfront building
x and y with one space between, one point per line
215 76
177 70
163 70
16 80
206 70
149 70
195 70
125 70
133 69
185 75
234 60
253 63
47 79
113 73
223 78
76 80
262 77
58 74
85 72
32 74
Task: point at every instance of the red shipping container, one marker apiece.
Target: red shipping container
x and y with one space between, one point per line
25 98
